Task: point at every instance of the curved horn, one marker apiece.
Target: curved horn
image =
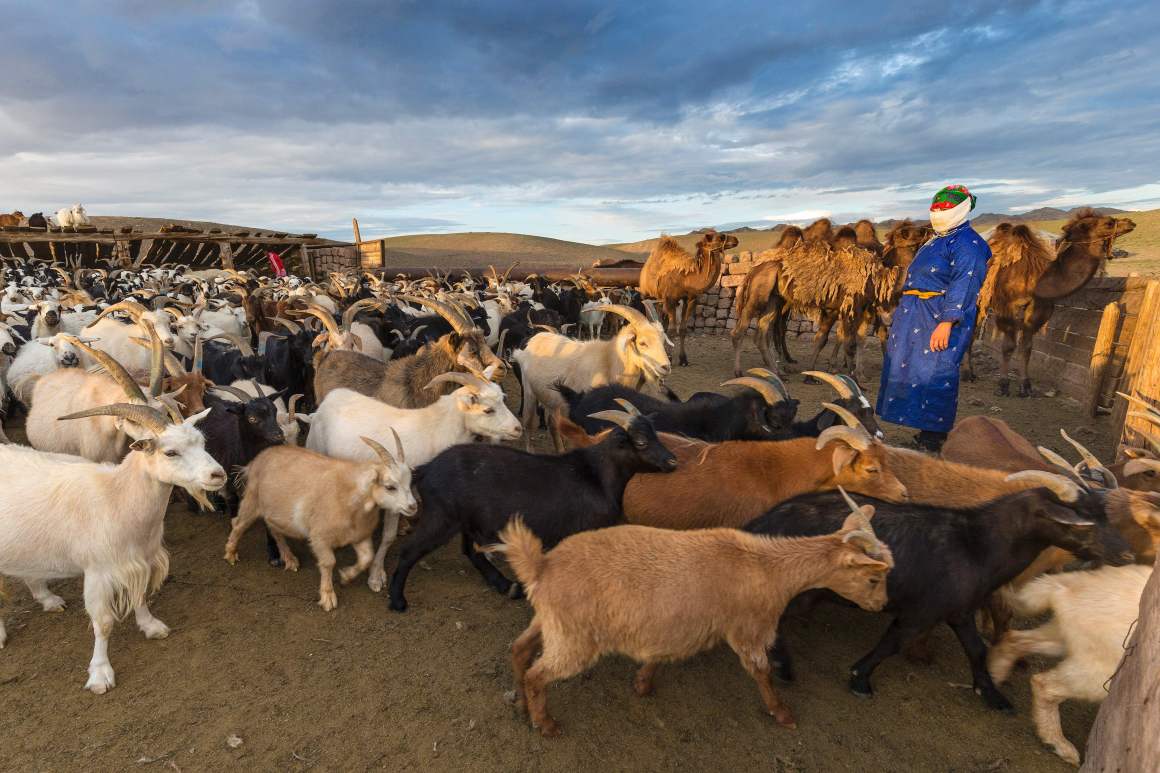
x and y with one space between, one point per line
619 418
761 386
355 308
854 508
245 397
156 358
115 370
628 407
416 332
454 318
132 308
855 437
633 316
1140 401
1092 462
772 378
1066 490
293 327
1137 466
399 447
1150 416
149 418
171 407
290 406
850 419
839 386
327 319
1053 457
454 377
383 454
851 383
241 345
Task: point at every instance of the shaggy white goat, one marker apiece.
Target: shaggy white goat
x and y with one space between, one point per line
64 517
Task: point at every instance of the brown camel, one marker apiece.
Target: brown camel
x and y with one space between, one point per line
757 298
1024 280
672 275
867 237
14 219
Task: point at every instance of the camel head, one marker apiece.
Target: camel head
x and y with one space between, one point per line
1089 226
712 243
821 230
903 241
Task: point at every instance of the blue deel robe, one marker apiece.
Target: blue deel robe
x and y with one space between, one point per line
920 387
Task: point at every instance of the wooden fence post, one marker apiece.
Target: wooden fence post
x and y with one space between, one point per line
1142 366
1102 356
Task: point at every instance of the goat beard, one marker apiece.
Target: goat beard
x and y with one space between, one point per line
199 496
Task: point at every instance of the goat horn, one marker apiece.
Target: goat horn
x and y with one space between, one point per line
156 358
851 383
633 316
1053 458
454 317
855 437
839 386
115 370
327 319
173 366
355 308
455 377
1137 466
850 419
628 407
761 386
1066 490
132 308
499 345
241 345
619 418
171 408
383 454
416 332
144 415
850 501
1139 401
290 406
293 327
399 447
245 397
1092 462
772 378
1150 417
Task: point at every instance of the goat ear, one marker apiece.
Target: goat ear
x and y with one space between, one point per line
145 445
1064 515
844 456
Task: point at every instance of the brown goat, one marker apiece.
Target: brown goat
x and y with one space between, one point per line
672 275
1024 280
656 595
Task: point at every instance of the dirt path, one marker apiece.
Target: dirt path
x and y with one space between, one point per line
252 656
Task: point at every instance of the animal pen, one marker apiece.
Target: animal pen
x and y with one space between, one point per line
90 247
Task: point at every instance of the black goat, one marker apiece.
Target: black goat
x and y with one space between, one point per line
223 364
947 561
235 432
762 410
288 366
475 489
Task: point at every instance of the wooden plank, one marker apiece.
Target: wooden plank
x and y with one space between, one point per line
1102 357
1142 366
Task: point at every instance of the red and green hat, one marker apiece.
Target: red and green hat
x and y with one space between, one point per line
950 197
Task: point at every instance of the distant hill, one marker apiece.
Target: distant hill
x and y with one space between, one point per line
471 249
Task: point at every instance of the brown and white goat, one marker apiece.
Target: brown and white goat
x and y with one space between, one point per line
329 502
657 595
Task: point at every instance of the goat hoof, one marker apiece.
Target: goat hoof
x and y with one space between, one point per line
1025 389
1003 389
861 687
785 718
101 679
155 629
53 604
785 672
275 562
995 700
398 605
550 728
516 591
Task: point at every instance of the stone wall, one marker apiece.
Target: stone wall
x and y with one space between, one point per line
336 258
717 308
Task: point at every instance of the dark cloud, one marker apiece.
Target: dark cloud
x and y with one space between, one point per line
569 116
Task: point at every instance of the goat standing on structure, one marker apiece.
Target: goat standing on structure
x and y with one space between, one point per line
932 327
672 275
1024 281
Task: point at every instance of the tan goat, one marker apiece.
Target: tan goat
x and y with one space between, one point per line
657 595
329 502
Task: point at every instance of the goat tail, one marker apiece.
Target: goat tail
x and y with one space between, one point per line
1035 598
524 552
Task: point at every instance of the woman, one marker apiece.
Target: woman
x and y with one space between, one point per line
934 322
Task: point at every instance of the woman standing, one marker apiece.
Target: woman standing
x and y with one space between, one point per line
934 323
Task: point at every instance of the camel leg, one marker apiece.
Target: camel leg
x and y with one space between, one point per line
737 338
687 310
825 324
968 373
782 332
1026 339
1006 350
761 337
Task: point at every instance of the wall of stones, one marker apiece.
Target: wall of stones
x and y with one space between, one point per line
334 258
717 308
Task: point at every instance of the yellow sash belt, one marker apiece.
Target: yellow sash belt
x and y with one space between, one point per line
925 294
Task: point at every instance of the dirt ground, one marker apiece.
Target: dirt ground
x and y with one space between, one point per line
252 657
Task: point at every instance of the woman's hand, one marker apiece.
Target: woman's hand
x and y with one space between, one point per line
940 339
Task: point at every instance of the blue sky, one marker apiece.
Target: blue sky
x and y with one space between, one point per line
594 121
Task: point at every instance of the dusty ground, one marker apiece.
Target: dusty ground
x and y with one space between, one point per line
252 656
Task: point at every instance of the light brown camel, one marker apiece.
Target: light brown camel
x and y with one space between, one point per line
672 275
14 219
1024 280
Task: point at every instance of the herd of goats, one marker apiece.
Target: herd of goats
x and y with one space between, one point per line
660 527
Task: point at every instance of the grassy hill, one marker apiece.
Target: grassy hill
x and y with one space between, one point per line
472 249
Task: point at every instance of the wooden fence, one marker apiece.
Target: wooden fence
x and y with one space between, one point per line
90 247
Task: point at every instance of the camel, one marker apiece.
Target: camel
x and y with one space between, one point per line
672 275
1024 280
14 219
867 237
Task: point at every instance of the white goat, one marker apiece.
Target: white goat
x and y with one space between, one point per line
636 354
38 358
71 217
1093 613
345 417
339 506
63 517
117 339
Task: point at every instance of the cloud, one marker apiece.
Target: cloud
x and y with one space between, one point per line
594 120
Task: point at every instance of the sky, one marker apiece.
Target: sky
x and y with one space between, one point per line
591 121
